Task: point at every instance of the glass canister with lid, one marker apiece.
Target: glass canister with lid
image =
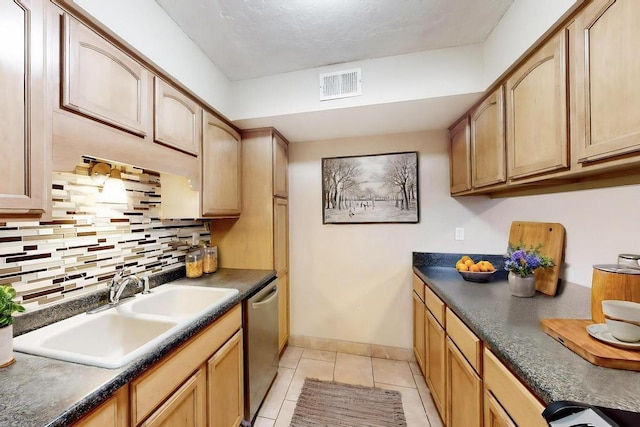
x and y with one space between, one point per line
194 262
210 264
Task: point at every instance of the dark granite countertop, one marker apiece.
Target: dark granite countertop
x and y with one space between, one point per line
510 327
38 391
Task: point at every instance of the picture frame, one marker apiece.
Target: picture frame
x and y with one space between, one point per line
371 189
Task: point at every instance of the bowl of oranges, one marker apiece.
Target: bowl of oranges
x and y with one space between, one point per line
472 271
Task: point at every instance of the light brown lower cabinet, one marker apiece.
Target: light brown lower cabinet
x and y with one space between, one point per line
464 390
419 328
511 399
114 412
185 407
436 366
494 414
198 384
226 394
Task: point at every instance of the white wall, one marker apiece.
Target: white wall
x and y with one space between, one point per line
523 23
421 75
353 282
147 27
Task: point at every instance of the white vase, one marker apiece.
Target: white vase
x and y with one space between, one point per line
6 346
524 287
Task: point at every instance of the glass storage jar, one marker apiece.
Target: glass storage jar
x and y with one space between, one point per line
210 259
193 263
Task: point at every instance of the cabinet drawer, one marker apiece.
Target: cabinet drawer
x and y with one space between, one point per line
468 343
418 286
435 305
520 404
154 386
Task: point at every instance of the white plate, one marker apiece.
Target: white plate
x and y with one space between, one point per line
600 332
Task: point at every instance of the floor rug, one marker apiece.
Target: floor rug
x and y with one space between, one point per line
328 403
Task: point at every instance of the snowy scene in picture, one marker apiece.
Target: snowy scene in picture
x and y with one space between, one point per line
375 188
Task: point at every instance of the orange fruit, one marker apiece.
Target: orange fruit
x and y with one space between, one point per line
460 264
490 266
474 268
465 258
463 267
469 262
483 266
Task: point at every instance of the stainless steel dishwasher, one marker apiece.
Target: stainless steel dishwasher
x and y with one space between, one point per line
260 323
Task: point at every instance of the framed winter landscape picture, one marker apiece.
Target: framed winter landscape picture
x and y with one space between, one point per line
377 188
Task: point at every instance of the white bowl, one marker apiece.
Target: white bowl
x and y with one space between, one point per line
622 319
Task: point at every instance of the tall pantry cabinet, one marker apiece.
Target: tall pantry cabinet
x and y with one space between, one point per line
260 237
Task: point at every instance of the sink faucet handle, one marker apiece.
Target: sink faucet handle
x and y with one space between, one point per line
144 284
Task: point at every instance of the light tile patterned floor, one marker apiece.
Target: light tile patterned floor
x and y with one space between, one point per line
298 363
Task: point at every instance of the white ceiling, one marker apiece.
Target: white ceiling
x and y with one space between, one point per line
255 38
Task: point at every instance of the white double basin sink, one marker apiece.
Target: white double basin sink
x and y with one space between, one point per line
116 336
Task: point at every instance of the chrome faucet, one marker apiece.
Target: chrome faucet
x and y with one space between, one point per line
119 283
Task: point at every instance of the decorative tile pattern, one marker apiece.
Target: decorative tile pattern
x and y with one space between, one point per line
79 249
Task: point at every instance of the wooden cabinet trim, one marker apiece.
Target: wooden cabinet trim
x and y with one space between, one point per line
469 403
220 402
515 398
113 412
494 413
557 147
436 368
460 157
151 388
435 305
491 157
418 286
161 134
469 344
419 331
72 97
194 387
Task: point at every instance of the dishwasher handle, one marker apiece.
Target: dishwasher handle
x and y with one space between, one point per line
273 295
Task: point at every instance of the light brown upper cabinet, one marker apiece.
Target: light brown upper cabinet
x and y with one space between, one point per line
23 134
537 111
177 119
280 162
604 80
101 81
459 157
221 169
488 154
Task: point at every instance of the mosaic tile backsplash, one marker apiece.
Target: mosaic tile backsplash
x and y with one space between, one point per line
83 245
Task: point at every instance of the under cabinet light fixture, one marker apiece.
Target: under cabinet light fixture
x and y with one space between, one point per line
113 190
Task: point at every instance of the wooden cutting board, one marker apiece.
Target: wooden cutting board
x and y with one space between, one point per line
551 235
572 333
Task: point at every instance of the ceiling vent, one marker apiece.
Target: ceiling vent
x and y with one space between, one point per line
341 84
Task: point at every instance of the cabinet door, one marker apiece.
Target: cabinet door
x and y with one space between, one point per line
226 395
488 150
494 414
419 330
112 413
22 125
436 368
185 407
176 119
102 82
283 310
280 165
464 390
459 157
604 79
281 234
221 169
537 111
